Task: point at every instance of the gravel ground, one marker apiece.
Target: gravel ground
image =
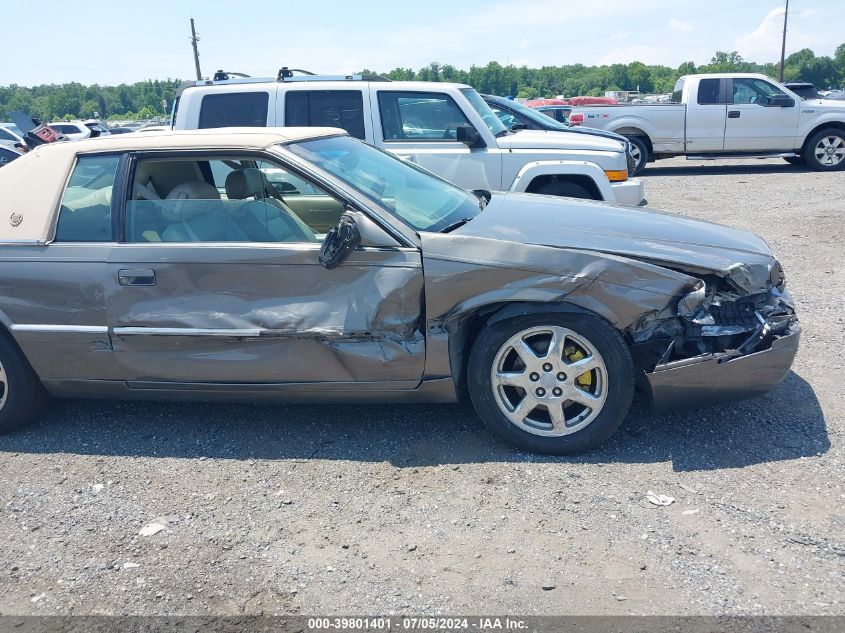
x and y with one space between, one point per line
317 509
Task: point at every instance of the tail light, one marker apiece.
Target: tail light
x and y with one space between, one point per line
576 118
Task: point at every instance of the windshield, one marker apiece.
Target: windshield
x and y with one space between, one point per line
536 116
480 106
417 197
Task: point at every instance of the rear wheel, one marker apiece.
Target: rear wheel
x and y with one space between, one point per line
825 151
639 152
564 188
551 383
20 391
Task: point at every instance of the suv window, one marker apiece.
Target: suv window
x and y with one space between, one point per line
419 116
5 135
220 199
708 91
328 108
85 214
234 109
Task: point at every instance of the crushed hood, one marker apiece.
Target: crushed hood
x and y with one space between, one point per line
644 234
551 139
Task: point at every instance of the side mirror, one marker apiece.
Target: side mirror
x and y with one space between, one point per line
781 101
469 136
339 242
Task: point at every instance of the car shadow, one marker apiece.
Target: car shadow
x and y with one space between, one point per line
717 169
783 425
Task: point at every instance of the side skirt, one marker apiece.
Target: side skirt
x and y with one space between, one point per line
435 390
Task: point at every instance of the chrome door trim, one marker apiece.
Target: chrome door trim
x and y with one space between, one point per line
189 331
48 327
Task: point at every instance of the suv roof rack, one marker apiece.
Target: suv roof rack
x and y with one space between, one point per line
286 74
223 75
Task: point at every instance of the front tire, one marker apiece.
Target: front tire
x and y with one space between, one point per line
564 188
551 383
640 153
21 394
825 150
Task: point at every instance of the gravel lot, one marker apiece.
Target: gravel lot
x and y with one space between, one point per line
318 509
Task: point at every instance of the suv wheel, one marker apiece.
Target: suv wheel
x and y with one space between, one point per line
825 151
551 383
20 391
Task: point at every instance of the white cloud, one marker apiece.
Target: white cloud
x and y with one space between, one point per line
680 26
764 42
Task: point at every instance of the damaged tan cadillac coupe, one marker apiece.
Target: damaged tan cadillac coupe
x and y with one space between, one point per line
303 265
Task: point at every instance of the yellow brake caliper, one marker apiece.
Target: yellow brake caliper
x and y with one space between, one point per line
574 354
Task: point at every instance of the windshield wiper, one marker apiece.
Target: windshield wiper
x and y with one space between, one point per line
455 225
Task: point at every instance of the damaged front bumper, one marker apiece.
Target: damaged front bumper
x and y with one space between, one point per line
733 374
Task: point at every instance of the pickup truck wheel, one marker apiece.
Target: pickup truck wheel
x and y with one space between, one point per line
21 393
551 383
564 188
825 151
639 152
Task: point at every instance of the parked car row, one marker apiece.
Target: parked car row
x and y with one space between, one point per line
311 238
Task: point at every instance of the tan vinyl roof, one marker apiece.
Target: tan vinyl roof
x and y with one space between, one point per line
31 187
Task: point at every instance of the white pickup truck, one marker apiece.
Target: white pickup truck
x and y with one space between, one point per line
445 127
731 115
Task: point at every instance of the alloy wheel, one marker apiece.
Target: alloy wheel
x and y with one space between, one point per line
830 150
549 381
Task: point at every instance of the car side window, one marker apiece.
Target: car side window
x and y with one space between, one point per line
327 108
85 212
709 92
755 91
423 116
234 109
7 156
6 135
219 199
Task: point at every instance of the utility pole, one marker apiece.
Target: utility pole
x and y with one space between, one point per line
195 39
783 44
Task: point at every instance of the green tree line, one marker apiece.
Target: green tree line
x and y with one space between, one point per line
50 102
145 99
577 79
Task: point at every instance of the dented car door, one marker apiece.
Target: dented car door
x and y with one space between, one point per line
265 313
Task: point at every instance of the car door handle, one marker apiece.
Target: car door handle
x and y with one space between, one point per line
733 114
136 277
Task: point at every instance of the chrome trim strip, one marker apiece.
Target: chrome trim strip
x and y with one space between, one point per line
189 331
47 327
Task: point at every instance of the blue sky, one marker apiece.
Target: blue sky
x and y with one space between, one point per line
126 42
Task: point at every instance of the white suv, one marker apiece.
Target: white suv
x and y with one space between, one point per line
446 128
